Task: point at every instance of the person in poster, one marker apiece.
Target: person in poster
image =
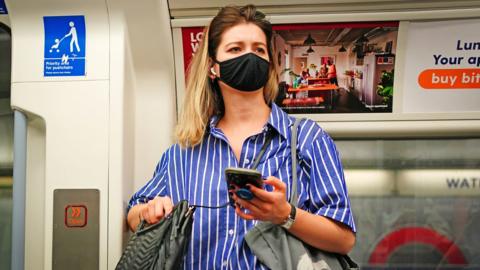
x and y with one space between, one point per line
332 73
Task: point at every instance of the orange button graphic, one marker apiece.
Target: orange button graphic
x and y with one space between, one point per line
76 216
467 78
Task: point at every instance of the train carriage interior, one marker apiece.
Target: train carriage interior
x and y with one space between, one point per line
90 93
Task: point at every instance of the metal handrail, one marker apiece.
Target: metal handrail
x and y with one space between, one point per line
19 189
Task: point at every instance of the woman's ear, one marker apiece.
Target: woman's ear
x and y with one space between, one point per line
212 71
212 74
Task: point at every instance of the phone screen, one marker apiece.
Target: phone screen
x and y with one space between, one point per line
237 180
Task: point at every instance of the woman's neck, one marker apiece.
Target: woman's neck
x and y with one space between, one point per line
244 109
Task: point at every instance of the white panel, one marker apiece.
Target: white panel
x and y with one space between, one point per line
27 27
76 115
142 104
367 15
35 193
179 66
370 182
4 19
186 8
400 129
153 81
121 158
418 183
76 150
449 182
426 40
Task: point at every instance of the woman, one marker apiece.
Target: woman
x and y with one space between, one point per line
305 73
323 70
332 73
227 112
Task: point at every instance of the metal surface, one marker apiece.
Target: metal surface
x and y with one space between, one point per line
76 229
186 8
19 183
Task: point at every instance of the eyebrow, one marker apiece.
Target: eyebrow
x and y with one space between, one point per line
237 42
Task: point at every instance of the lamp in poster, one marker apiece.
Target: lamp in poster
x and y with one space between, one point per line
328 67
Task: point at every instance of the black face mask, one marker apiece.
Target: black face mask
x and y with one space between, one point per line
247 72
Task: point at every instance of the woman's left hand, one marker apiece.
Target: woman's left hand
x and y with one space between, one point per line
266 206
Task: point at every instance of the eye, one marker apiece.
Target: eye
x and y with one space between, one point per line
260 50
234 49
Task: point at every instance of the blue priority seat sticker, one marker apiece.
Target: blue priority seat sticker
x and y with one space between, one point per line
3 7
64 46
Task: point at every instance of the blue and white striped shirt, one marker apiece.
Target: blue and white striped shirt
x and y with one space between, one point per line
197 175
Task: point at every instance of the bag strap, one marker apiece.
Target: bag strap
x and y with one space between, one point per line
293 146
345 261
268 139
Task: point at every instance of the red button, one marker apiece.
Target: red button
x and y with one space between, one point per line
76 216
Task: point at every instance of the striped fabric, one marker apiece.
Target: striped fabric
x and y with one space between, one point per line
197 174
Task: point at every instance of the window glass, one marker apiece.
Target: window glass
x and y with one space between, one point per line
416 202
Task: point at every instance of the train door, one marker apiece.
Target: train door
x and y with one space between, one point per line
93 89
6 145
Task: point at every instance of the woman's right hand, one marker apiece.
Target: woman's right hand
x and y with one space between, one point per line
152 211
156 209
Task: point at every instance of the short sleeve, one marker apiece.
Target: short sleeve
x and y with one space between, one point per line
327 189
155 187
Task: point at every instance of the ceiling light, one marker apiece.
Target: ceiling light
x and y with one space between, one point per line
310 50
342 49
309 40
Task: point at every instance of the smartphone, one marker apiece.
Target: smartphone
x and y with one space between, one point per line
237 180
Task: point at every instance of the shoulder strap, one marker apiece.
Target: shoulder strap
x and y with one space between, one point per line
293 145
268 139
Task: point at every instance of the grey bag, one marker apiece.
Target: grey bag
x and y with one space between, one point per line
161 245
278 249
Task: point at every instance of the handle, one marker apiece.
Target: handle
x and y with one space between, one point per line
19 189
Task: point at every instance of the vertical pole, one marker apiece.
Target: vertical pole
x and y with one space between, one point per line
19 189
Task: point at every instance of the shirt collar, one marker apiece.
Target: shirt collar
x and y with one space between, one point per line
212 127
278 119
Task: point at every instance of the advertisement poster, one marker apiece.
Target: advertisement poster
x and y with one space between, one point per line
328 68
442 67
336 68
191 37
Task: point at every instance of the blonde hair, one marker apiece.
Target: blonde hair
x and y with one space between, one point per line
203 98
